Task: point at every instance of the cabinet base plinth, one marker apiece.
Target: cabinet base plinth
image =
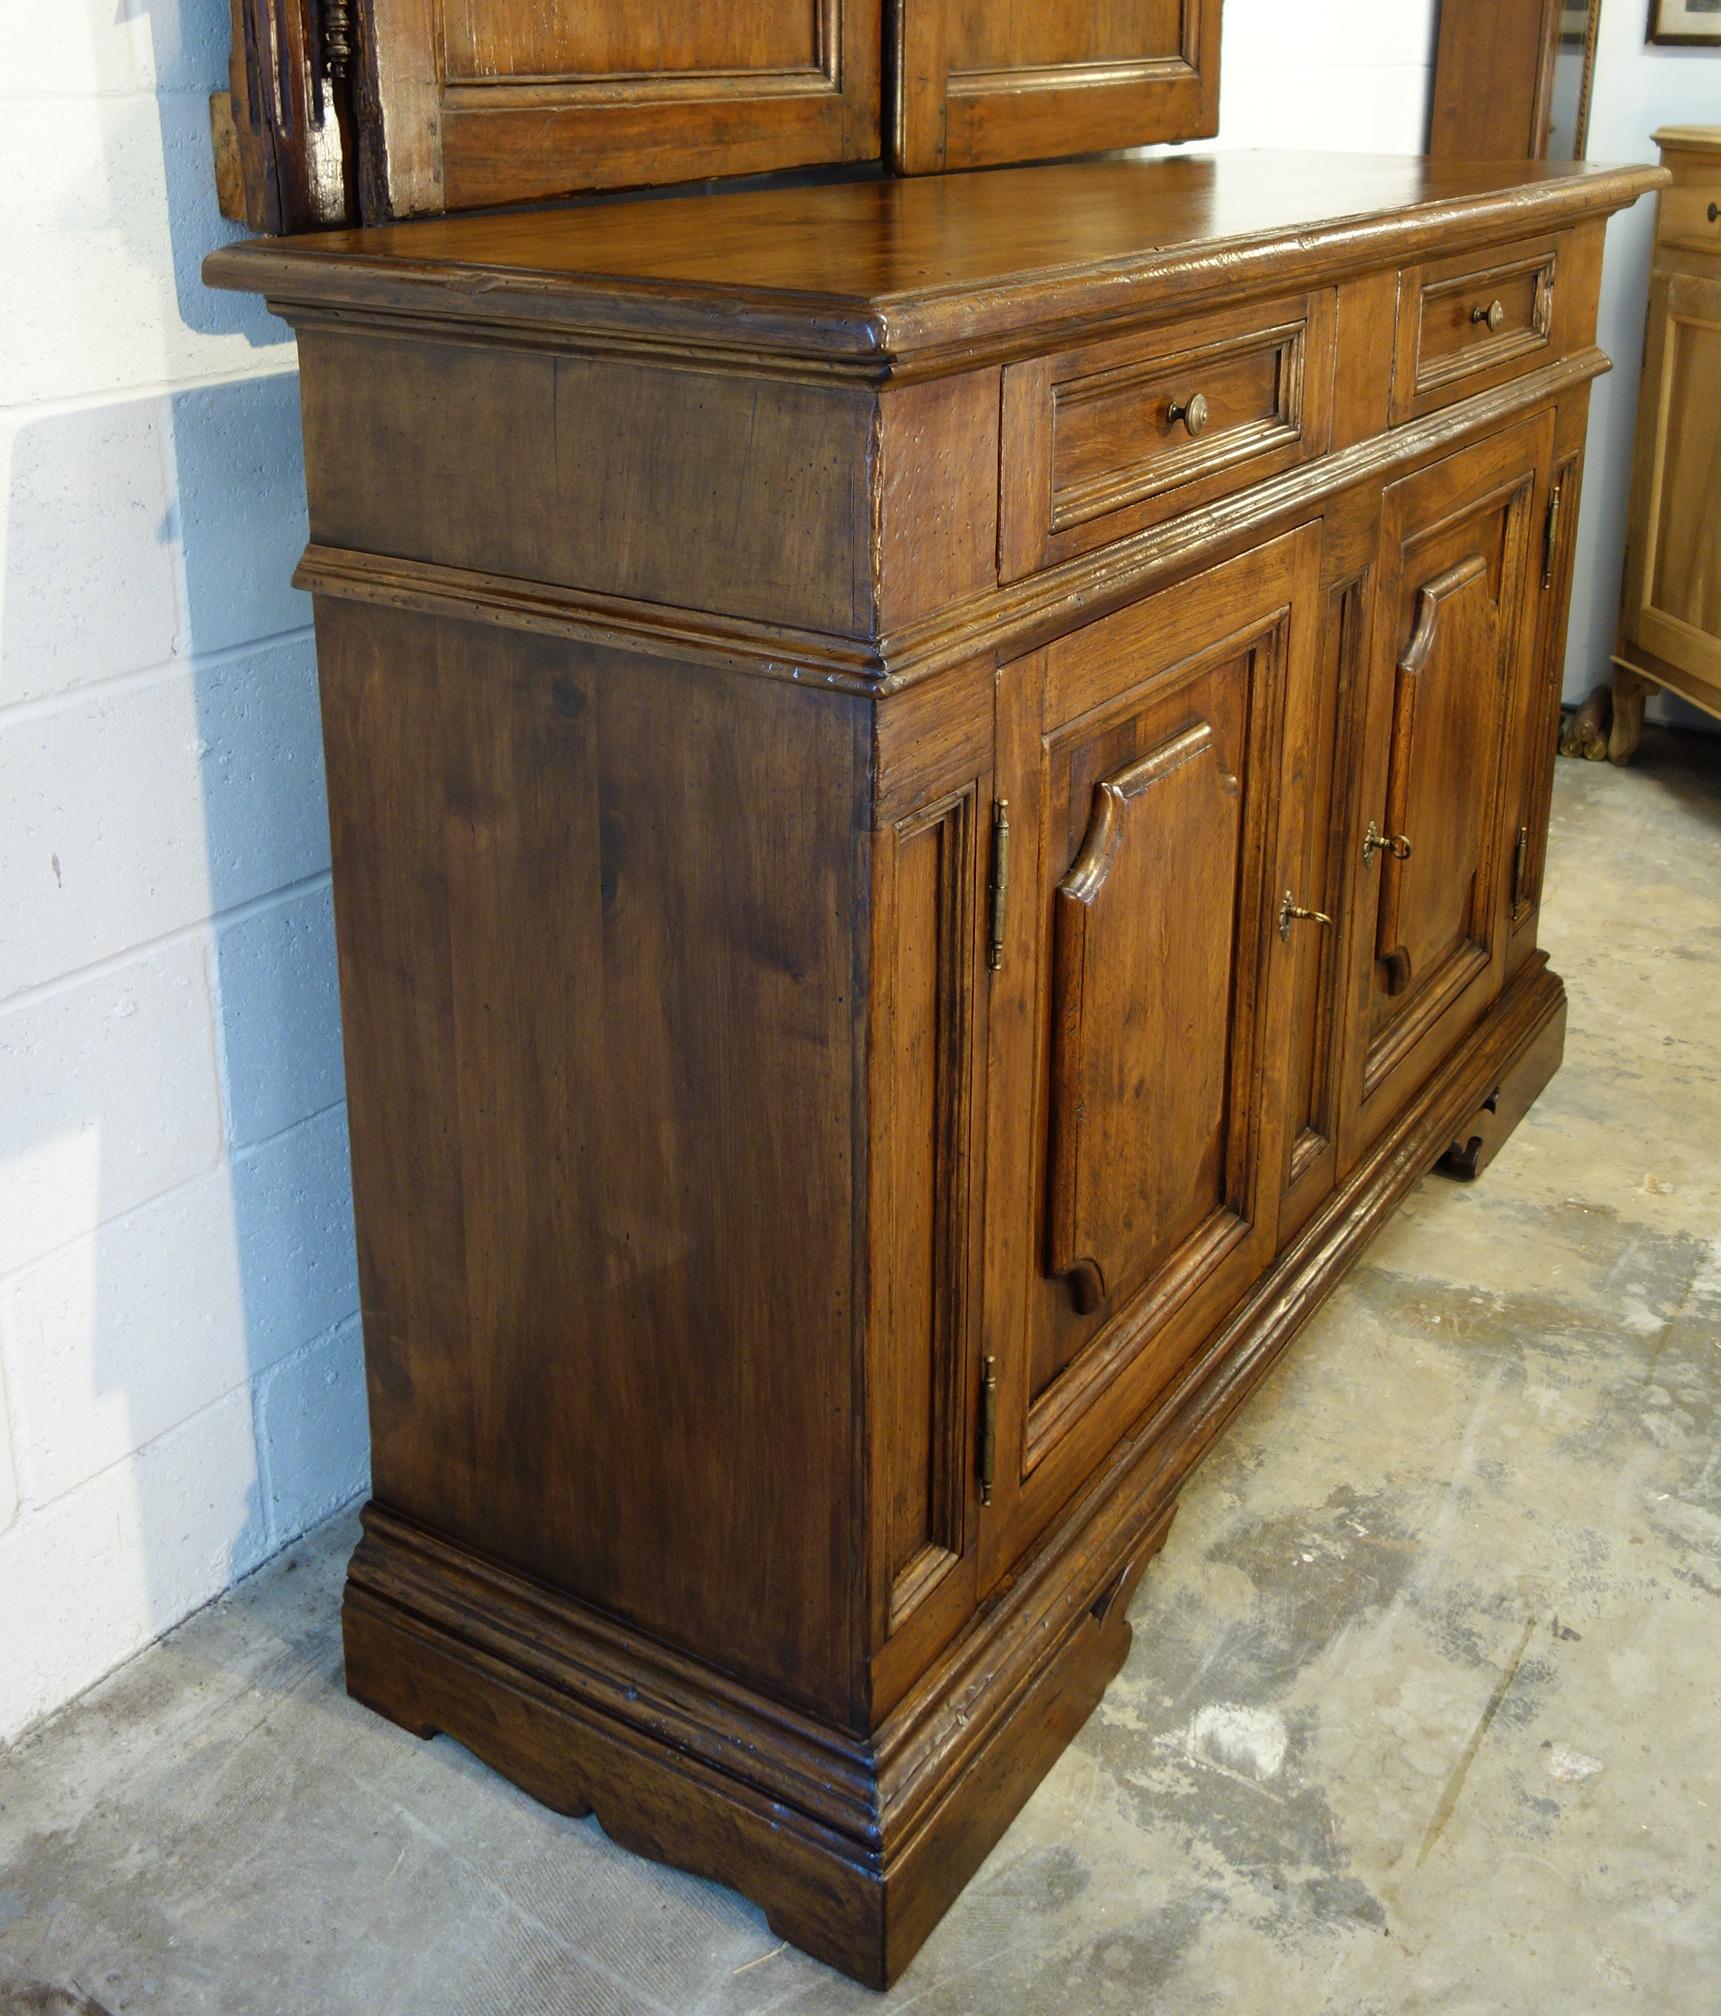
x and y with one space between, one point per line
1483 1135
854 1849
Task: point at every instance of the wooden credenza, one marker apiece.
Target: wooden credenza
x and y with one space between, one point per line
1670 603
938 794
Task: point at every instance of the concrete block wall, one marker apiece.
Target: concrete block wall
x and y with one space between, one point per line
180 1377
180 1381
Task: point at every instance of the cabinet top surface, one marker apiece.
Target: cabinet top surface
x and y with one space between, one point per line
882 268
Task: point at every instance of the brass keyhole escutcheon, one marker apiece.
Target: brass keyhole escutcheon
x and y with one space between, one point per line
1291 910
1192 412
1374 842
1494 315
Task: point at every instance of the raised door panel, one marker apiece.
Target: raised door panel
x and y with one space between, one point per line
1139 1016
473 102
1143 1164
1673 568
1454 641
980 83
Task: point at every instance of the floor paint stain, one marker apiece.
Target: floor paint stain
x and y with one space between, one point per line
1461 1770
1252 1741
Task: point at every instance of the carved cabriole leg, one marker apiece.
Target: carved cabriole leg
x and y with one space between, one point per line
1630 690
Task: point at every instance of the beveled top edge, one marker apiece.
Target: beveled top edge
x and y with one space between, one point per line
1705 137
876 273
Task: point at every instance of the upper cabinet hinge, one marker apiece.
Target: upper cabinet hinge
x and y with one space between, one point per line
1551 536
998 908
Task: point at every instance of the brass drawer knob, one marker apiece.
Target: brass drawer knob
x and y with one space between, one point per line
1192 412
1494 315
1374 842
1289 912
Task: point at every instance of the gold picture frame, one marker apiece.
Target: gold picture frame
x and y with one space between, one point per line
1685 24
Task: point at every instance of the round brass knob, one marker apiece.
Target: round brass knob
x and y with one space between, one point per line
1192 412
1494 315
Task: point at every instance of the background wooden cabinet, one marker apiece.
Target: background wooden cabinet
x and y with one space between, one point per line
1670 609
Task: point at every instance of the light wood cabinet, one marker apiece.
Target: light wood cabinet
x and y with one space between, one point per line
1670 610
937 796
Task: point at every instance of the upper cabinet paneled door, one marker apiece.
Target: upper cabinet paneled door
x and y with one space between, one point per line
980 82
464 103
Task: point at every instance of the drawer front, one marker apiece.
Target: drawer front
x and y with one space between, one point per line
1472 321
1112 438
1690 216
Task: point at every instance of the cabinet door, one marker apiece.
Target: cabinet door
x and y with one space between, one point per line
980 83
470 102
1138 1016
1454 645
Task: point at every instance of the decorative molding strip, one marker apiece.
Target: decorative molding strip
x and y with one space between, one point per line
803 658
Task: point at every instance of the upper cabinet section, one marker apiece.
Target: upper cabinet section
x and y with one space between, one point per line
362 111
987 81
503 101
350 111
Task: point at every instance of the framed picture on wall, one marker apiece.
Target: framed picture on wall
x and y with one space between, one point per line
1693 23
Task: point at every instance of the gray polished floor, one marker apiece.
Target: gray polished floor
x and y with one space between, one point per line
1423 1710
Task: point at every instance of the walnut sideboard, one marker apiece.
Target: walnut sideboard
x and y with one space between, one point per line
938 796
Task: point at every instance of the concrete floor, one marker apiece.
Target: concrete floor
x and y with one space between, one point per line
1422 1711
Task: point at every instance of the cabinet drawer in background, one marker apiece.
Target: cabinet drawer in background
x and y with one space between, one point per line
1689 216
1118 435
1474 320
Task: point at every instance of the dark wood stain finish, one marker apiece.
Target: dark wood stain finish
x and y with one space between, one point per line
874 1004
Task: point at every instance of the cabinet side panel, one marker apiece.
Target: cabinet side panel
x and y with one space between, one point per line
597 922
693 488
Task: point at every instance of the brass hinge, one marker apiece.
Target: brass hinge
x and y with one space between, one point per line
1000 895
1551 537
988 1427
1520 868
337 36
